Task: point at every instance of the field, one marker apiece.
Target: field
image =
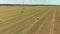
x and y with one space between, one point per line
34 20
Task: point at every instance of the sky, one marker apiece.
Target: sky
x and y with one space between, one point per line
52 2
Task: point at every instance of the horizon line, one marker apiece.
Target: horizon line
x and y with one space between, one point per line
26 5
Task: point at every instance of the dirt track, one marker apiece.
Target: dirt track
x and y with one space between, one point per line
34 20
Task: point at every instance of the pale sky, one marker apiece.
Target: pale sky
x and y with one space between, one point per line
55 2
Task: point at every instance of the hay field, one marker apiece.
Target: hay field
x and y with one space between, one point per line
34 20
